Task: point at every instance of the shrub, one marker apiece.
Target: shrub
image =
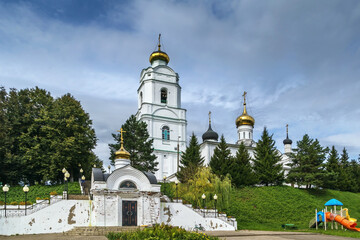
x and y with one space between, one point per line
38 198
14 203
2 203
27 203
159 232
53 193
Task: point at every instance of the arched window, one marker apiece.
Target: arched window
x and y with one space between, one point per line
141 98
163 95
166 133
127 185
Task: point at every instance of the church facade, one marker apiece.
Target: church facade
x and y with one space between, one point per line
159 105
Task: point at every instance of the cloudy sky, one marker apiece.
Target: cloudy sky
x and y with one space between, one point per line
299 61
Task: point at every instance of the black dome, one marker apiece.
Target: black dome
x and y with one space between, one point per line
287 141
210 135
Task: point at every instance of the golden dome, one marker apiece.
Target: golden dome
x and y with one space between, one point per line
122 153
159 55
245 119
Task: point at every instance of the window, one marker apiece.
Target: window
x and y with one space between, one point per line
127 185
141 98
243 135
165 133
163 95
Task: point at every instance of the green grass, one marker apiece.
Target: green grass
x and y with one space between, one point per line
267 208
16 194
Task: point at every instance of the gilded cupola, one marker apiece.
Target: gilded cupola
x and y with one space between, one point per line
245 118
159 55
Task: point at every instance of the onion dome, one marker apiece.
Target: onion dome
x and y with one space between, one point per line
245 119
159 55
210 134
122 153
287 140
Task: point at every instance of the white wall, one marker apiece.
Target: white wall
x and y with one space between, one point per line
177 214
58 217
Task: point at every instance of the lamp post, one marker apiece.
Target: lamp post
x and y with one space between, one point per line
203 198
176 188
5 190
83 183
26 190
164 178
215 199
81 171
109 168
67 175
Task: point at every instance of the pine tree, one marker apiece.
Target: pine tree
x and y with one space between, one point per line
345 183
221 159
191 160
240 169
307 166
137 143
332 170
267 162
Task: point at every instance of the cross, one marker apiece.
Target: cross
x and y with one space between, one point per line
209 117
121 131
244 95
287 125
159 41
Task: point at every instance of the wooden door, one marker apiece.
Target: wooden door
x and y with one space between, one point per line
129 213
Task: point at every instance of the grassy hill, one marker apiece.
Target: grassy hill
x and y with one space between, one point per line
267 208
16 193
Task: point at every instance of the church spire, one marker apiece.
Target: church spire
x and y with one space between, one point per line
245 119
159 55
210 134
287 140
122 153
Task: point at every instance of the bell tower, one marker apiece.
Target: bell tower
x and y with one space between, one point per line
159 106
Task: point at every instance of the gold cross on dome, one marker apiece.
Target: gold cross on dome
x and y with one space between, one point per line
121 131
244 95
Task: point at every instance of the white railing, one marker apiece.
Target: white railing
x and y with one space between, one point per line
19 210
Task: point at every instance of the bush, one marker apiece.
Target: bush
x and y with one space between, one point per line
38 198
2 203
159 232
14 203
53 193
27 203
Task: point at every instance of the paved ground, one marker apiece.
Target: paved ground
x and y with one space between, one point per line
238 235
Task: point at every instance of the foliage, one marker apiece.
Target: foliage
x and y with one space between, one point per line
267 208
53 193
205 182
240 170
221 159
307 166
40 135
137 143
190 161
159 232
332 167
16 193
267 162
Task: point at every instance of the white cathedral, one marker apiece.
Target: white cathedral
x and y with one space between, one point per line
159 105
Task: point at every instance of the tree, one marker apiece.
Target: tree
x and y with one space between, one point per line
190 161
137 143
240 170
306 164
345 182
267 162
221 159
332 170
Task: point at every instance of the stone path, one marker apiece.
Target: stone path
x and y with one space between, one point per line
228 235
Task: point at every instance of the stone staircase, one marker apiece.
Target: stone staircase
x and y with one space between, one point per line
99 231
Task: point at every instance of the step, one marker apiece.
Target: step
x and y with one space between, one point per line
99 231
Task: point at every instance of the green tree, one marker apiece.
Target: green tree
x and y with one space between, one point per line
221 159
190 161
345 182
267 162
332 167
240 170
4 134
306 164
137 143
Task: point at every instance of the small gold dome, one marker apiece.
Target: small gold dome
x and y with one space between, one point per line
245 119
122 154
159 55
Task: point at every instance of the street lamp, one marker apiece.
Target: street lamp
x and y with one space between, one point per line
64 170
81 171
203 198
178 153
67 175
5 190
83 178
109 168
164 178
176 187
83 183
26 190
215 199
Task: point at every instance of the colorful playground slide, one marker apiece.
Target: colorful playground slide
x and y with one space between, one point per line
342 220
